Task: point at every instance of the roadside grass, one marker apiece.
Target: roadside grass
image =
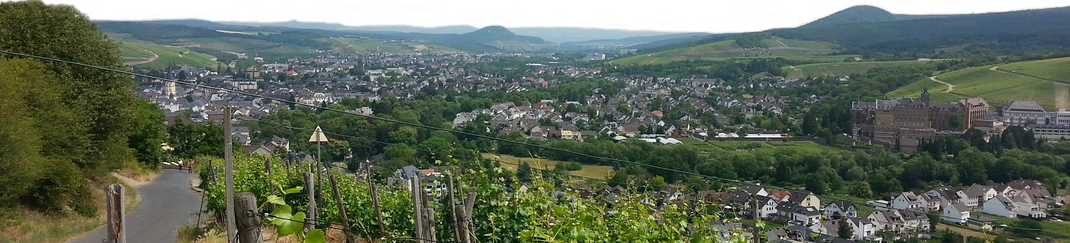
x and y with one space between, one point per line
600 172
25 225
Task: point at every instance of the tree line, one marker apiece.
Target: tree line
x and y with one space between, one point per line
64 124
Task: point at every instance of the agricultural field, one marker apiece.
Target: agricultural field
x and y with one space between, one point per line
151 55
837 69
599 172
777 47
995 86
365 46
243 45
1057 69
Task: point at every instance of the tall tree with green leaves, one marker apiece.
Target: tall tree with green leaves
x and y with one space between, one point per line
101 100
844 231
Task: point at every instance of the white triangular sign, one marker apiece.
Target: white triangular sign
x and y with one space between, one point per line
318 136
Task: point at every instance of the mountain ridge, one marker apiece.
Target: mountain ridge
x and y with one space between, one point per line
862 14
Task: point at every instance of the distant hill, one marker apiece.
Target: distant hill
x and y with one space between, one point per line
492 34
294 24
869 31
569 34
1004 32
632 41
771 47
862 14
452 29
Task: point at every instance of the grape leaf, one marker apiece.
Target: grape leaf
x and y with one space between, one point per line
315 236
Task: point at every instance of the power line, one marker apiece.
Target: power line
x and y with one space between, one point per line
388 143
367 116
375 117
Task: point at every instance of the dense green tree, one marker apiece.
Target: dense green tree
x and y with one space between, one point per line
406 135
147 133
860 189
620 178
101 100
523 172
656 182
844 231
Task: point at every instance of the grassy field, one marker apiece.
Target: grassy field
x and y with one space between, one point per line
1057 69
777 47
600 172
837 69
137 51
996 87
365 46
1057 230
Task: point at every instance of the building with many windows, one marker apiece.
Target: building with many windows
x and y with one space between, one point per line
889 121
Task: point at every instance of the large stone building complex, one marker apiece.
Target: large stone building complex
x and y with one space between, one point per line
908 120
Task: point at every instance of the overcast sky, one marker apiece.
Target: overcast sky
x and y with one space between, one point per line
714 16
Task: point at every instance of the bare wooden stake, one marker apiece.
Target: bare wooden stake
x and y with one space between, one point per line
248 220
115 196
227 154
341 210
310 186
453 213
378 209
417 208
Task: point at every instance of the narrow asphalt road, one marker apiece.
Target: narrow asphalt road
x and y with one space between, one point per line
166 203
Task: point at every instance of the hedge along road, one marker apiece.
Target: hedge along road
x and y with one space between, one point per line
167 203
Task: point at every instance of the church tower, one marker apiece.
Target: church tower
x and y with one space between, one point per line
925 96
169 89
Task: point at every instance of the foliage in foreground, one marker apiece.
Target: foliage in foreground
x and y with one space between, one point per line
62 124
504 212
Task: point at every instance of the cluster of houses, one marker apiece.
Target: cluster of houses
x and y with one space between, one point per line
1015 199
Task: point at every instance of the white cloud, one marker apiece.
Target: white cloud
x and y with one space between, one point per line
715 16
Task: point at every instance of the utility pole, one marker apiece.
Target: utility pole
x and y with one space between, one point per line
232 229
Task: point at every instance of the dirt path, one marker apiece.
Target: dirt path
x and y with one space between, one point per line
782 43
1062 95
950 87
143 60
962 231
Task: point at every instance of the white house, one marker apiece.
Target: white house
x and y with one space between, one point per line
908 200
806 215
805 199
948 195
1000 206
976 195
956 213
755 190
863 228
841 209
768 208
